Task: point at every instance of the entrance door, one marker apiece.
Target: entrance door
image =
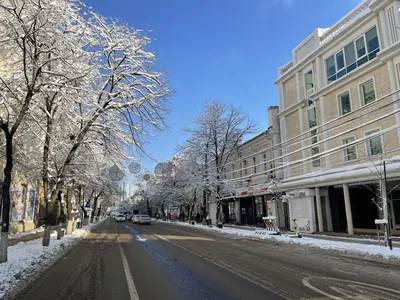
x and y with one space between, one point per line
246 211
282 214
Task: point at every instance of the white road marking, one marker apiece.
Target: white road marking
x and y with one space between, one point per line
131 285
249 277
140 239
306 282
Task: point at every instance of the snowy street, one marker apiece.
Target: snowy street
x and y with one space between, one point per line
167 261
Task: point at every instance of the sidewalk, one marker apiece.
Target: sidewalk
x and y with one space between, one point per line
330 236
27 258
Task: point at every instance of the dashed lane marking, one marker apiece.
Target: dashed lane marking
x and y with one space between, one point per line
131 285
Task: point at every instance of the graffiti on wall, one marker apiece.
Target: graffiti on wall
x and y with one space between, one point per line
17 199
31 203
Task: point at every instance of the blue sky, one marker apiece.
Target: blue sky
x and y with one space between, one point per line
221 50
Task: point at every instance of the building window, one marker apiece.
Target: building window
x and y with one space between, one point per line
331 69
374 144
344 103
254 165
341 70
312 117
352 56
350 153
264 159
368 92
233 170
316 162
244 167
372 43
309 83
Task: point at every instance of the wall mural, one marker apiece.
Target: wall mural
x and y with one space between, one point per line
17 199
31 203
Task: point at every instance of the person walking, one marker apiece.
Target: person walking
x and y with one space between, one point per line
79 221
208 219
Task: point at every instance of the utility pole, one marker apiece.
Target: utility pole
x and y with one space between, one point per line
386 214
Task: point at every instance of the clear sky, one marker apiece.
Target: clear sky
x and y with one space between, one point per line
221 50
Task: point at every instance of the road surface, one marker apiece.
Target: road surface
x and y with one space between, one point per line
167 261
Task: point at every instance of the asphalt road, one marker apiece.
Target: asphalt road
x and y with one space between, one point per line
166 261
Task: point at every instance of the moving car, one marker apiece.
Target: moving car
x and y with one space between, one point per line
120 218
144 219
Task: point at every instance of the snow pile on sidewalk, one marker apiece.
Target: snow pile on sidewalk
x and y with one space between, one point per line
374 250
27 259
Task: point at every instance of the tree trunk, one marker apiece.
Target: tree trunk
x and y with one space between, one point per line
99 211
191 211
96 198
45 175
6 194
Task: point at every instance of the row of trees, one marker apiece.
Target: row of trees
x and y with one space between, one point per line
198 166
77 91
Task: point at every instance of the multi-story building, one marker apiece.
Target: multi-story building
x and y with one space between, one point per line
250 169
339 116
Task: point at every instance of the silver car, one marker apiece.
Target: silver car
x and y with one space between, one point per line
120 218
143 219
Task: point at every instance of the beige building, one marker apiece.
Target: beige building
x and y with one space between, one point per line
339 118
251 169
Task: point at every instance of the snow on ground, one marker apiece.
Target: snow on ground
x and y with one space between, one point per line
374 250
27 259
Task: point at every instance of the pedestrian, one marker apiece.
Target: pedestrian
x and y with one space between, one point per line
78 221
198 218
208 219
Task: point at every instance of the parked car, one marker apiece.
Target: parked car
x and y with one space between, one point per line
120 218
134 218
144 219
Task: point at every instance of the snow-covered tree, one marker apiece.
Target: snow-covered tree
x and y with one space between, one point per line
35 58
87 84
216 133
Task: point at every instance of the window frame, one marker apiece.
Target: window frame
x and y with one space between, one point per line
357 65
367 144
244 167
317 158
263 159
344 64
308 70
254 159
354 137
339 102
361 93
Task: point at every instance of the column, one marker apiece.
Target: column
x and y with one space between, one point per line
347 206
328 213
325 131
319 209
298 86
384 26
303 141
320 72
